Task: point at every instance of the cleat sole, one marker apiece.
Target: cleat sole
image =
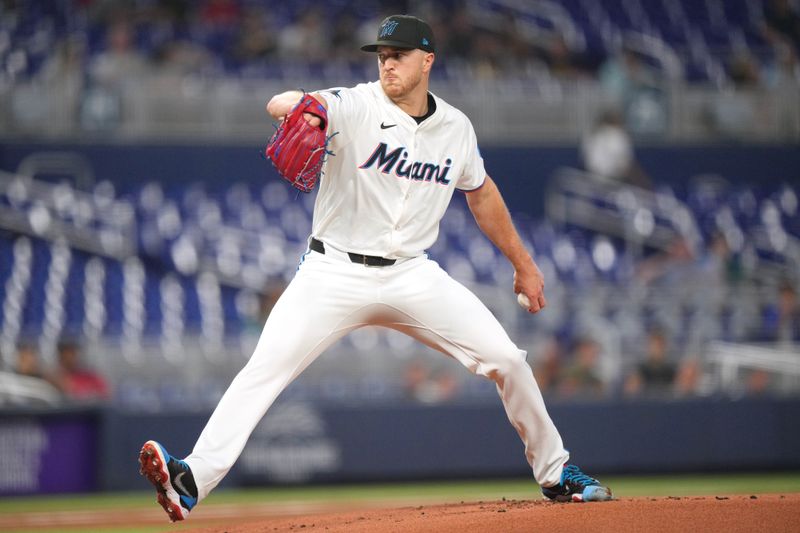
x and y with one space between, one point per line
151 466
172 510
155 470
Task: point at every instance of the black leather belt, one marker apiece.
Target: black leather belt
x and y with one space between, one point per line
366 260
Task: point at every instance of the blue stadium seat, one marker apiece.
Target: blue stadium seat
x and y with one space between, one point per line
582 266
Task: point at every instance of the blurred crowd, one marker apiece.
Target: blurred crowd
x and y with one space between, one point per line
113 39
67 380
108 42
662 363
570 363
707 284
86 53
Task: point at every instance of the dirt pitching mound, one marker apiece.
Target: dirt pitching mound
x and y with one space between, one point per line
727 514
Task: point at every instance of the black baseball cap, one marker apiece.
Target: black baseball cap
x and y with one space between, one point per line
403 31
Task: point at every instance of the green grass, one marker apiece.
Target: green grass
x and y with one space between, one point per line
699 485
400 493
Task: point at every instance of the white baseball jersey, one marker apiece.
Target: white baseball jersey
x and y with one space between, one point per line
390 180
382 194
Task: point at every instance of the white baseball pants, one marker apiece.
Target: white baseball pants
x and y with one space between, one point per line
331 296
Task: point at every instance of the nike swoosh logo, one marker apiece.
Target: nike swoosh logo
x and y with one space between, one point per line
385 127
179 485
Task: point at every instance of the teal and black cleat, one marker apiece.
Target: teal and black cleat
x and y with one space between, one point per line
576 486
172 478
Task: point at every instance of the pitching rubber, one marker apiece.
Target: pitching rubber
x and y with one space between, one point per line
153 466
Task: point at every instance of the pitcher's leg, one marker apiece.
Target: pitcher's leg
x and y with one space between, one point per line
526 410
314 311
446 315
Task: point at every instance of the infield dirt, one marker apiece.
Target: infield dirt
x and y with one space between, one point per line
773 513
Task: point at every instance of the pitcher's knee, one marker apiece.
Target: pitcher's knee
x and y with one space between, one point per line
508 362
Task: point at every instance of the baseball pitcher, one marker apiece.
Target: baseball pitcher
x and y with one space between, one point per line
387 157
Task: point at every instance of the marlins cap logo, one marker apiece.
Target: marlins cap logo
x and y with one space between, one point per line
388 28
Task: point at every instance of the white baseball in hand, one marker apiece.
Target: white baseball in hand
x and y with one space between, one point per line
523 300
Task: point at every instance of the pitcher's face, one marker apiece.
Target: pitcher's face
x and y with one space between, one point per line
401 70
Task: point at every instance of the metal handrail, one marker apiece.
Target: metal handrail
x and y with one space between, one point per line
579 198
109 230
731 357
15 388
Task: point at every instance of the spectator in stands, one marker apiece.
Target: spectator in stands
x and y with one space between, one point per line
307 38
781 23
33 385
64 72
423 384
105 11
581 378
744 70
688 377
221 14
180 57
457 36
257 40
495 52
120 61
781 318
784 69
28 363
758 382
515 48
488 55
344 38
607 152
564 63
624 74
174 13
547 368
734 111
656 373
74 380
718 266
109 73
62 77
636 89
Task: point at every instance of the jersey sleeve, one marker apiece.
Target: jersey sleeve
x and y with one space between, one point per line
474 172
346 111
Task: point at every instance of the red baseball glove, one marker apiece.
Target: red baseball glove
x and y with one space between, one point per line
297 149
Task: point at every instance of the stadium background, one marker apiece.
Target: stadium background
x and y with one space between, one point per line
647 149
